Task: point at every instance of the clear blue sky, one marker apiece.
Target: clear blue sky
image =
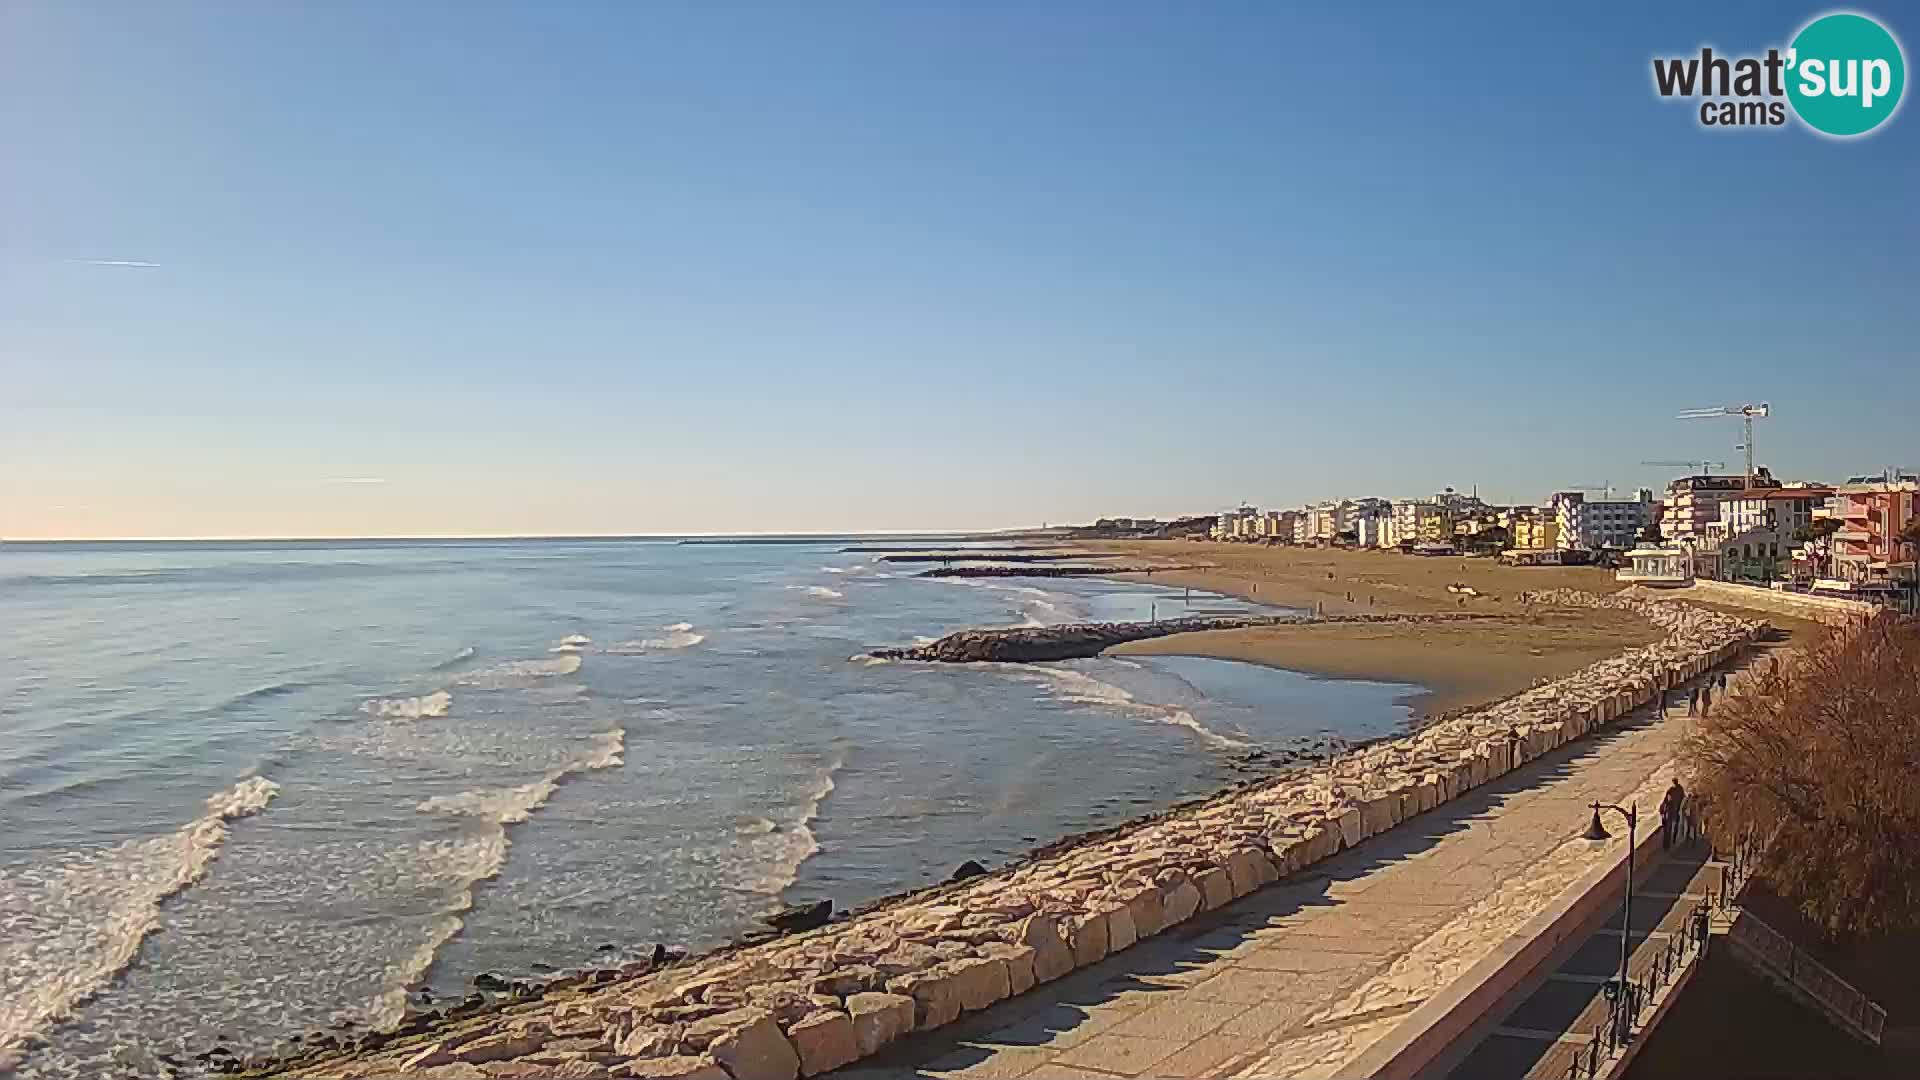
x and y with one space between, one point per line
655 267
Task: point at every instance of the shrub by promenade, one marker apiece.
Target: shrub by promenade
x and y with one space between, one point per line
1820 756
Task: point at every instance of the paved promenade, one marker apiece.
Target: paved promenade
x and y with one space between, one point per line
1297 979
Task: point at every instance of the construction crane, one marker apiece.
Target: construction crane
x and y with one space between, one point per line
1690 466
1747 414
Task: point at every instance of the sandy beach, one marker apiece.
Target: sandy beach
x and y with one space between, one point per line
1460 664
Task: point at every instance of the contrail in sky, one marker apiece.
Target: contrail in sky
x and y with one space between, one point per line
136 264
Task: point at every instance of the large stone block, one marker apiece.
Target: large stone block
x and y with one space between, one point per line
1051 956
936 997
824 1042
878 1019
1352 831
1377 814
980 981
1088 936
1243 871
1019 961
1120 929
1216 888
1143 904
756 1049
1180 902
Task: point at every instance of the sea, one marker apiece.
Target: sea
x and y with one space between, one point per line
249 790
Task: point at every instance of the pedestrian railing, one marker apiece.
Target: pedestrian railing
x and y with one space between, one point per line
1835 995
1612 1018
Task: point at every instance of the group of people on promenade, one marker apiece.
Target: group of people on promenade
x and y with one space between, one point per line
1700 698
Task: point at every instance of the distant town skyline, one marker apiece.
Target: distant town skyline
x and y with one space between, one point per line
355 270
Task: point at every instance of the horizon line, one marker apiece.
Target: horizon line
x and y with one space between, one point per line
799 534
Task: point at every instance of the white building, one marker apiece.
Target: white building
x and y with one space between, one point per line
1787 509
1592 524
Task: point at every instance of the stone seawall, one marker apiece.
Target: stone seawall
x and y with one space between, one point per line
1072 641
811 1002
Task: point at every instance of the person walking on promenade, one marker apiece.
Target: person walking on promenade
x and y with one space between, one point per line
1670 813
1693 702
1706 700
1720 683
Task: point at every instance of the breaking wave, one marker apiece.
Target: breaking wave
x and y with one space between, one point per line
680 635
479 857
409 708
511 673
465 654
68 929
1083 689
572 643
818 591
783 850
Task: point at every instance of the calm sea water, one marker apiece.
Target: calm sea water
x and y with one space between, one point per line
248 790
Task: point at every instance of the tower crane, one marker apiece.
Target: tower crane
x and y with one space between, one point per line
1747 415
1693 466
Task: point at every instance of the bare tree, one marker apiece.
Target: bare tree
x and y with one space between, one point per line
1820 757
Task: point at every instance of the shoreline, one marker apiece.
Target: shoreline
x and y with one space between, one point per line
1512 646
962 945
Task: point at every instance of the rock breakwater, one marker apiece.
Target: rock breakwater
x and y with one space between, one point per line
814 1001
1071 641
1052 571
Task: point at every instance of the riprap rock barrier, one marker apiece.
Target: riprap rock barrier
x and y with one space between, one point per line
818 1000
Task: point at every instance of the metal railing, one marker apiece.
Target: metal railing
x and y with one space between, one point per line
1613 1017
1836 995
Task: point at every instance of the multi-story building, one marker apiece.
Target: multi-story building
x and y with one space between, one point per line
1693 501
1868 547
1786 509
1533 529
1593 524
1278 524
1417 520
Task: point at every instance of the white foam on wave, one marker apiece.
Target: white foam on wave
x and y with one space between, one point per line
680 635
67 929
572 643
409 708
465 654
783 850
1083 689
511 673
479 857
820 592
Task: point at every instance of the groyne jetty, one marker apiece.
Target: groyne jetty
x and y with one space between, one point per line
1044 571
814 1001
1072 641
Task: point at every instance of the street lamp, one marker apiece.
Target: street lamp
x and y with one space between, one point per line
1597 832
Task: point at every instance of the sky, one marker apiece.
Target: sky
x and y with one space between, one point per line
368 269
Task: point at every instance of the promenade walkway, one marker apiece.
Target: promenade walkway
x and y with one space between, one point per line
1297 979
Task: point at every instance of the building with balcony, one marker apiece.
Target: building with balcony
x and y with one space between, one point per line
1534 529
1693 501
1868 547
1788 509
1597 524
1418 520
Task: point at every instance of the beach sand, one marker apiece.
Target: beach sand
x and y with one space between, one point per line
1460 664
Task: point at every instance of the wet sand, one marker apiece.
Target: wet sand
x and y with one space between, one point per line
1460 664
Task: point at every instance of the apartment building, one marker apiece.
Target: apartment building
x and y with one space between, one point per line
1694 501
1868 547
1593 524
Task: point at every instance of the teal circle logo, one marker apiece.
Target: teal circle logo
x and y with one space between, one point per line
1845 74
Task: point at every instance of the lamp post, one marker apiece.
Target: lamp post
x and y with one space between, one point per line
1596 831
